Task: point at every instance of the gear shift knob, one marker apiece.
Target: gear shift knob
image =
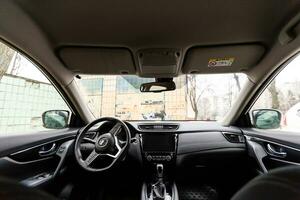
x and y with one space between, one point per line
160 170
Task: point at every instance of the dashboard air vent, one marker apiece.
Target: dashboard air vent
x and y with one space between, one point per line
234 137
158 126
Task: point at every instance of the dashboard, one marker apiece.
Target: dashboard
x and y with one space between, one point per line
180 144
188 143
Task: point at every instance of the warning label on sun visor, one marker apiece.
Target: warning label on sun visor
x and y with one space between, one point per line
220 62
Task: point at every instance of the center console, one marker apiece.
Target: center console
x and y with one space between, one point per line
159 154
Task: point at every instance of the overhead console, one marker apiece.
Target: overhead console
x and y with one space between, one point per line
159 62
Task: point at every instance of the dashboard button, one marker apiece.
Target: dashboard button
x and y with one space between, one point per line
149 158
168 158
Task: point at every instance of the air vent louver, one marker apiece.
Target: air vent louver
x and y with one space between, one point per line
234 137
158 126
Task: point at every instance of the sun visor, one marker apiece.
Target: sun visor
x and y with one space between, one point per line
222 59
95 60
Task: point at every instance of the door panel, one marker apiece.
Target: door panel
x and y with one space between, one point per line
35 160
21 171
273 149
17 142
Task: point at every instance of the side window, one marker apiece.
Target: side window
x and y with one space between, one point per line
279 105
25 95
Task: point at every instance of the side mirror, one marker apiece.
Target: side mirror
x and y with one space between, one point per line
55 119
266 118
158 86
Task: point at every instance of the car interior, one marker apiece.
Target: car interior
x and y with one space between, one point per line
149 100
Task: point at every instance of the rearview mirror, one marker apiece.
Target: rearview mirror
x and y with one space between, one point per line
158 86
266 118
55 119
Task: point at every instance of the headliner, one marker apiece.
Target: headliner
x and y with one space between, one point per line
40 28
169 23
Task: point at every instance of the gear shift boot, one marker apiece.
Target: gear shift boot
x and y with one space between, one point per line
158 188
158 191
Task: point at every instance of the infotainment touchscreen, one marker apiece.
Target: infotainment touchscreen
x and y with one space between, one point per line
158 142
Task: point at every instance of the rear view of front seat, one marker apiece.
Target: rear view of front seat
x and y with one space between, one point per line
279 184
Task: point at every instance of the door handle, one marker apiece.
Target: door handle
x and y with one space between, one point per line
49 151
274 152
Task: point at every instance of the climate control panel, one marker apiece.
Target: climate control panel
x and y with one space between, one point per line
159 157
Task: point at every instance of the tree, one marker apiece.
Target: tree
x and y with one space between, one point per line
195 93
274 95
192 94
6 54
237 81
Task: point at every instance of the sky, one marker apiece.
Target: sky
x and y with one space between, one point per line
28 70
290 73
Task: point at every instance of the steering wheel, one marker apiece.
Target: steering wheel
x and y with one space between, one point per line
107 146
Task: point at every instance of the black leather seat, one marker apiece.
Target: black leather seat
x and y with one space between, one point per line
279 184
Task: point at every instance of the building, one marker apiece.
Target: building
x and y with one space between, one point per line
119 96
23 101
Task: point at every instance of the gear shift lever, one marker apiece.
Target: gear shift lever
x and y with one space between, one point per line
160 171
159 188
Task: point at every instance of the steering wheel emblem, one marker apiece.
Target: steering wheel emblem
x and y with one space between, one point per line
103 142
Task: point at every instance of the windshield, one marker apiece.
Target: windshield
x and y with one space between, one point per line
197 97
